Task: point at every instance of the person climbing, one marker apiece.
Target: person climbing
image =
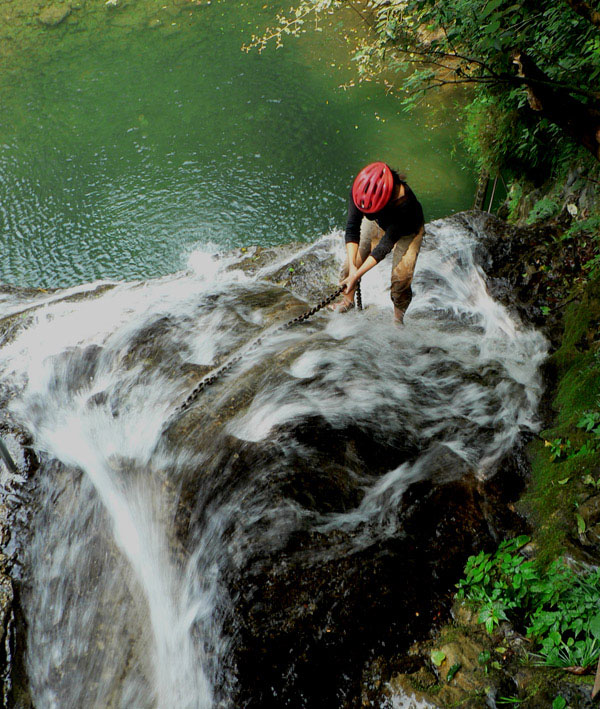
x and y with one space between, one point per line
394 220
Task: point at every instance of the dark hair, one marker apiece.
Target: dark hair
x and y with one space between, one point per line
398 176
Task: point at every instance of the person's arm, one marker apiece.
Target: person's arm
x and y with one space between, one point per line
352 254
352 279
353 222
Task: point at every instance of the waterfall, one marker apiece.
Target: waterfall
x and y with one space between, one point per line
142 515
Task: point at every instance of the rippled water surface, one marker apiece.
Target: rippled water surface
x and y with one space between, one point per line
130 135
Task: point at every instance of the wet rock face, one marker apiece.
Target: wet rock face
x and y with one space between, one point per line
514 258
309 618
14 683
530 268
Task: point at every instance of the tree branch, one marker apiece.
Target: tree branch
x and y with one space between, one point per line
585 10
434 57
580 121
363 17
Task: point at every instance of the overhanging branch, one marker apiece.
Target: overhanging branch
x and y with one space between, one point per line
436 57
580 121
585 10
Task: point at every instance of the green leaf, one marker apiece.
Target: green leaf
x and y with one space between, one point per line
580 523
555 637
595 626
559 703
484 657
493 27
452 671
490 7
564 481
521 541
437 657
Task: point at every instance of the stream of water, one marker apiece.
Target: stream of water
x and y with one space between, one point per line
125 602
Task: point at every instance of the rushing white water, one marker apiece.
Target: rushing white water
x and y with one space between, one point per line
122 611
405 701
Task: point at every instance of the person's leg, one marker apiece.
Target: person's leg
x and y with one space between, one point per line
405 257
370 234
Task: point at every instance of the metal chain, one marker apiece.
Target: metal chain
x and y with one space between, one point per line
358 297
212 378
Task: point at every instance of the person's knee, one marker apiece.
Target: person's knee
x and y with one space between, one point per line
401 295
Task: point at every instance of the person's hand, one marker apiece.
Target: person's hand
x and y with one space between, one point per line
349 283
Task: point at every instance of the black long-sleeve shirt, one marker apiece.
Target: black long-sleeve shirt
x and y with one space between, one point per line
395 220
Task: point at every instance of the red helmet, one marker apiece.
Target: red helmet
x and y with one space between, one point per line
373 187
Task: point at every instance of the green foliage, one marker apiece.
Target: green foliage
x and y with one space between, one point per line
485 660
514 197
484 657
543 209
413 46
561 449
485 122
558 609
589 480
558 448
437 657
590 421
557 484
452 671
589 228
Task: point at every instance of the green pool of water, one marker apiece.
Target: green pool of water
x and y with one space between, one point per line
131 135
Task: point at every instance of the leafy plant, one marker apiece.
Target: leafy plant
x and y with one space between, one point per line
583 653
558 609
543 209
559 448
491 614
589 480
585 227
590 421
484 657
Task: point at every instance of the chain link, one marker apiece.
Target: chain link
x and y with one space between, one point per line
216 374
358 296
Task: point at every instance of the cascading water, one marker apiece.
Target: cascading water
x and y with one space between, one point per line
143 515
